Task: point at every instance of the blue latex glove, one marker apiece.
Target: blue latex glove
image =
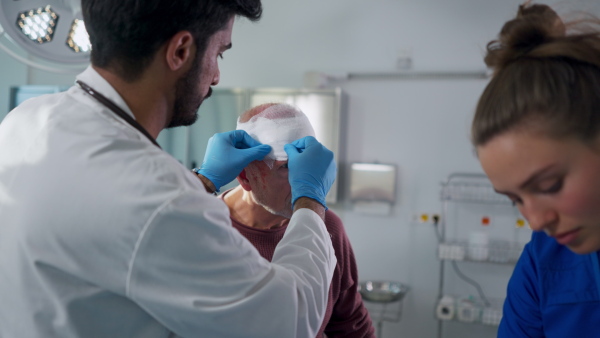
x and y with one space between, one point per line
228 153
311 169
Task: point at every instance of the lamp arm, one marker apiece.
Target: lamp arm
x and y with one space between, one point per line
35 64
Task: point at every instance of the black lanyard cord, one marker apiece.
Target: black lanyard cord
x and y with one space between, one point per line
116 109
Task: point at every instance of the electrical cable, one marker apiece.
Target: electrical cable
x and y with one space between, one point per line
472 282
436 228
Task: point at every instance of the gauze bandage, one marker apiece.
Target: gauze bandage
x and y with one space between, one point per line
277 126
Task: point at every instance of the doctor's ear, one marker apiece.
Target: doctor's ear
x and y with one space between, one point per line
180 50
244 182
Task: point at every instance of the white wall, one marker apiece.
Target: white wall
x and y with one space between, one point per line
421 126
360 35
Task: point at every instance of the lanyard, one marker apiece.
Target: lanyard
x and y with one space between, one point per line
116 109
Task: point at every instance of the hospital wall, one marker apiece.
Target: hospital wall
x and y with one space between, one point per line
419 125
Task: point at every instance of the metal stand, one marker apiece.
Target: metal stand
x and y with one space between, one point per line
384 311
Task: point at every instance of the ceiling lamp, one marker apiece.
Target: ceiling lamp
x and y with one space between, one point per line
38 25
52 31
78 39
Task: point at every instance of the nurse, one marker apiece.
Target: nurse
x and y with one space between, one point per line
103 234
537 134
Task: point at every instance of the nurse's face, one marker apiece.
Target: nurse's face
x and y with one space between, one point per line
554 183
195 86
270 187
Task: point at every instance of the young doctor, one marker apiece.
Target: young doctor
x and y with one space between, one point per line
537 134
103 234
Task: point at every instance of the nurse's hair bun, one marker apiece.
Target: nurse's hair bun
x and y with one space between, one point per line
546 76
534 26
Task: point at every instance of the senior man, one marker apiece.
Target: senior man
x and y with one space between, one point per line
261 209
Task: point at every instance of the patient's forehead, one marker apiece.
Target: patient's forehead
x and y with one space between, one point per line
262 166
262 163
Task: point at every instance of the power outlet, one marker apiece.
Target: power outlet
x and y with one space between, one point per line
426 218
522 223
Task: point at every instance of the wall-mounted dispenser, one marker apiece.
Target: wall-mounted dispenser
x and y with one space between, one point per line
373 187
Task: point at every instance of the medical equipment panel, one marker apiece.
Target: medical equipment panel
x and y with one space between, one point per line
481 235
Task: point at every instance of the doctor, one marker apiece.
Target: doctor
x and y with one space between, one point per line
101 233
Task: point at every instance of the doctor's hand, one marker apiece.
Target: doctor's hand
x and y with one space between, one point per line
312 169
228 153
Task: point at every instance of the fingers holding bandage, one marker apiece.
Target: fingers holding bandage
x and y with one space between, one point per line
312 169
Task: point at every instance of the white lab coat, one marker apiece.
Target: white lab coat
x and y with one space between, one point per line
102 234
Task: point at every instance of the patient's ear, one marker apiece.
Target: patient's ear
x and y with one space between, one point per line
243 179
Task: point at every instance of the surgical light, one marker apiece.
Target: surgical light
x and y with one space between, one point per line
78 39
38 24
51 32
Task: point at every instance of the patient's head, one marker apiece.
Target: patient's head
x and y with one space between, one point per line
275 124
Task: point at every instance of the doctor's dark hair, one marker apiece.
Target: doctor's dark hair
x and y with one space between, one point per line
546 78
126 34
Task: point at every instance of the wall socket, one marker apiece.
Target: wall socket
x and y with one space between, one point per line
426 218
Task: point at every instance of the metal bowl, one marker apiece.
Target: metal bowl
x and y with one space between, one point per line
382 291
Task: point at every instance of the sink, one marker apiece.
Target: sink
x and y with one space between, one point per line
382 291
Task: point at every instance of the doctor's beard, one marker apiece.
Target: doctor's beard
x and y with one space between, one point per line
187 101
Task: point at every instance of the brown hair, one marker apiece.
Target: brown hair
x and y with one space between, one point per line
544 79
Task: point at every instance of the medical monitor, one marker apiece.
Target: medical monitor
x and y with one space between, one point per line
18 94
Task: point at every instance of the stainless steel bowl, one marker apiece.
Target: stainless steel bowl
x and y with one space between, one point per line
382 291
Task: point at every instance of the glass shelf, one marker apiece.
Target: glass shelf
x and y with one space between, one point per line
497 251
471 188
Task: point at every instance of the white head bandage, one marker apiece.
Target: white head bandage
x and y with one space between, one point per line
276 126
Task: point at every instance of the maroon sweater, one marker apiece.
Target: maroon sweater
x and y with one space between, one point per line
346 315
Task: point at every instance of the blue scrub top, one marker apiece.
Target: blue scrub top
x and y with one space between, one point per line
553 292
